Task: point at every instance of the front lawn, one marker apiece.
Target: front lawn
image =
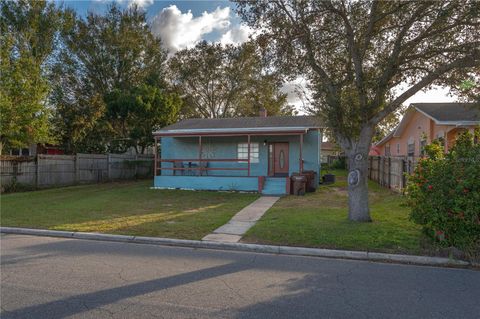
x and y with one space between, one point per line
320 220
130 208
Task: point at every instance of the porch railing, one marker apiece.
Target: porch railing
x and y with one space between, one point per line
193 166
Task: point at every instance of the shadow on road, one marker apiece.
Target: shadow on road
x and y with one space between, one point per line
322 288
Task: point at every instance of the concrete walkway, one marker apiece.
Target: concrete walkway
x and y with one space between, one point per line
233 231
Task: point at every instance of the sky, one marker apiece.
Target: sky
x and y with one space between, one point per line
182 24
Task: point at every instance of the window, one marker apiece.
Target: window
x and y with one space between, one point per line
242 152
387 150
423 143
398 148
411 148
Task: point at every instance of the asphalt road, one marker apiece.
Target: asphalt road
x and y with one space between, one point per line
45 277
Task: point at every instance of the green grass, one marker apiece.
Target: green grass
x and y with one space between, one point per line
320 220
130 208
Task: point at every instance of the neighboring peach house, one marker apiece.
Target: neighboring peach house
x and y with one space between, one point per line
424 122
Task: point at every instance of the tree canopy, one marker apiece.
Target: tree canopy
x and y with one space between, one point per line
226 81
110 72
357 54
27 35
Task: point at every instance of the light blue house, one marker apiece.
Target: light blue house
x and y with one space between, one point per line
257 154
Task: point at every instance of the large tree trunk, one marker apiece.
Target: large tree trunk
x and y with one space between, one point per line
357 156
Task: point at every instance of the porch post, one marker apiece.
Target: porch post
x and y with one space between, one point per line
155 152
301 156
200 155
248 139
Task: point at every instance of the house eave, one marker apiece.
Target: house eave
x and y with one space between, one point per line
456 123
235 131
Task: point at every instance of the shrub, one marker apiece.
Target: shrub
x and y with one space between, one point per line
444 194
15 187
340 163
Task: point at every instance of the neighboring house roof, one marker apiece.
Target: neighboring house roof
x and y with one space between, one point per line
451 113
386 138
242 125
458 114
329 146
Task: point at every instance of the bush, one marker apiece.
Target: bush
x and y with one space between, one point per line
15 187
340 163
444 194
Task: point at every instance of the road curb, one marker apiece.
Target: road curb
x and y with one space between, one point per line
271 249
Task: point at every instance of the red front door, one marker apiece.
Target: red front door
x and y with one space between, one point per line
279 156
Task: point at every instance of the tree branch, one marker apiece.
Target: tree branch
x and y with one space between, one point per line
325 78
466 62
354 53
392 61
371 23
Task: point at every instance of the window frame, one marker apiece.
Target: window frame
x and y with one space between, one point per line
387 150
242 152
411 149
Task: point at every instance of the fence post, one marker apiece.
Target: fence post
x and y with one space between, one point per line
108 167
384 182
36 169
379 180
75 166
389 172
15 172
136 164
370 167
37 175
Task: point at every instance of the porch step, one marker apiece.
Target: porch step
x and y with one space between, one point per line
274 186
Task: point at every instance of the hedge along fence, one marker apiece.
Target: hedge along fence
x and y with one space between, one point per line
62 170
391 172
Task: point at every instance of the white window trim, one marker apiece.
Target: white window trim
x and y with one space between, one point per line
242 152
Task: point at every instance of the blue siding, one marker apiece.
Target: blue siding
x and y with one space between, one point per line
218 183
274 186
226 147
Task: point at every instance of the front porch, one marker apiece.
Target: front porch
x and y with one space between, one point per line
235 162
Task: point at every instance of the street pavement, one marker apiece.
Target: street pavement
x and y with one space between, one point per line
44 277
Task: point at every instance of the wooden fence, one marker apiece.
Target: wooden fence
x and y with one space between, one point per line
391 172
63 170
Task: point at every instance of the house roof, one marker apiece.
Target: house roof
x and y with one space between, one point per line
450 112
458 114
242 125
386 138
329 146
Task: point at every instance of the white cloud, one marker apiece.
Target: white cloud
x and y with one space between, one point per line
140 3
293 88
236 35
181 30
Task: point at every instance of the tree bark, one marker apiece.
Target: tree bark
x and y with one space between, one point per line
357 155
358 206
